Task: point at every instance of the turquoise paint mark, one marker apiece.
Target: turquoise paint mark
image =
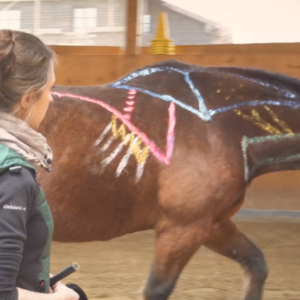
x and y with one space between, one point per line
246 141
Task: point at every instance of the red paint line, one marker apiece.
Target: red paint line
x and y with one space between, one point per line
165 158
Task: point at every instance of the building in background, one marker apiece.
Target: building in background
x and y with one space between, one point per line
68 22
103 22
185 28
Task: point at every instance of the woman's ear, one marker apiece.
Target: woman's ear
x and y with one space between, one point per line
27 100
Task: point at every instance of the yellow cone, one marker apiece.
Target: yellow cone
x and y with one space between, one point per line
162 44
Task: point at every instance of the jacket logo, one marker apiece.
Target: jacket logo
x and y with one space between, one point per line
14 207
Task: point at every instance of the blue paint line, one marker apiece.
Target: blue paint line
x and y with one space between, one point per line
166 98
202 107
285 92
149 71
292 104
203 112
146 72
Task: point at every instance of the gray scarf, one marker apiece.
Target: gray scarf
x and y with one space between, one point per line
17 135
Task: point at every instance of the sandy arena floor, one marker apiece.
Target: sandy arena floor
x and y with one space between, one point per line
118 269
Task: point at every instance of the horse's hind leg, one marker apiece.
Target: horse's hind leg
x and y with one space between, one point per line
227 240
183 225
175 245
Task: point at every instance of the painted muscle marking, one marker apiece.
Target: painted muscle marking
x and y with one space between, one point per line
107 145
130 103
114 154
163 157
256 119
128 109
171 130
246 141
203 113
292 104
276 119
166 98
103 134
285 92
123 163
140 153
139 172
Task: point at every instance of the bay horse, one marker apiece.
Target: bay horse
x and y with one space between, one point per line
170 147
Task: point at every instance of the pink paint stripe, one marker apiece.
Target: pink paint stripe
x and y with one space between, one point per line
129 102
171 130
132 92
127 116
128 109
130 97
153 148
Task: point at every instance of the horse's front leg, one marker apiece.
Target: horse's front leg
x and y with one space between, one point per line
227 240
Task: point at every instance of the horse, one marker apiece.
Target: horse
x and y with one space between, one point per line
170 147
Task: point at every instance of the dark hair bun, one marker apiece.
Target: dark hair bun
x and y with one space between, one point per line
7 57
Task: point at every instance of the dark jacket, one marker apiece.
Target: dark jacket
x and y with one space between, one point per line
26 227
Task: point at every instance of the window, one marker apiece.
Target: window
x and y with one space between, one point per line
10 19
146 23
109 16
84 19
118 13
104 13
112 14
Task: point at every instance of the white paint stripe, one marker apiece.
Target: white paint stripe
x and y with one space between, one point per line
125 159
139 172
110 158
103 134
123 163
108 143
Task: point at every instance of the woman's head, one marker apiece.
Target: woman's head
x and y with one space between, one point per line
26 76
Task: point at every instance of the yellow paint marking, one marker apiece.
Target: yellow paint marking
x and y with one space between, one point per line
140 153
256 119
275 118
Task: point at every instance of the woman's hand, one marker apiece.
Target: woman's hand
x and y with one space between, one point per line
60 292
64 292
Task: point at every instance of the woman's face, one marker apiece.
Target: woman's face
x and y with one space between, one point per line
39 108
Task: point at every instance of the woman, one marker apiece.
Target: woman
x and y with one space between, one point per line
26 79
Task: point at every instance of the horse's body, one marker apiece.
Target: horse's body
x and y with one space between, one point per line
171 147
